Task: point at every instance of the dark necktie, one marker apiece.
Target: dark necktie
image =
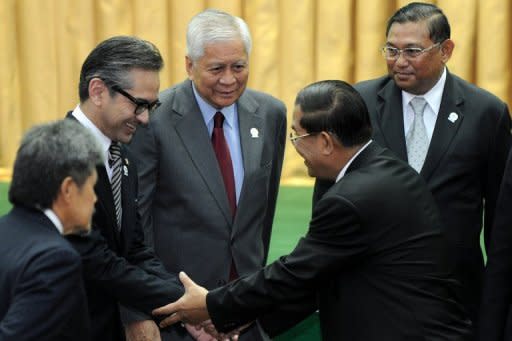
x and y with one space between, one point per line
224 159
114 161
226 168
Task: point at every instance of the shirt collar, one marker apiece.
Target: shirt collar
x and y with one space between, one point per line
104 140
54 219
208 111
433 96
344 169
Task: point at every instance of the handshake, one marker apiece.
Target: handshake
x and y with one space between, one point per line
191 310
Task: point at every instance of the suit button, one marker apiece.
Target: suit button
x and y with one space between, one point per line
221 282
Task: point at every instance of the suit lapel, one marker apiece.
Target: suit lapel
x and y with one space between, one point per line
126 197
193 133
445 130
252 134
389 108
105 203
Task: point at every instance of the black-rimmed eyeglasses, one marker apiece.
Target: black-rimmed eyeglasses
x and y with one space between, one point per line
141 105
393 53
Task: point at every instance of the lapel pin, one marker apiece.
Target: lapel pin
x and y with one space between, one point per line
255 133
453 117
125 170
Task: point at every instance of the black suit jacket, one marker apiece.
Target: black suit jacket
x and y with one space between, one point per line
379 270
42 295
118 266
496 308
463 167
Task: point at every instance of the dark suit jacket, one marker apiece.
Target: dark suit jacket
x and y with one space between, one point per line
183 202
42 295
496 308
463 167
118 266
375 254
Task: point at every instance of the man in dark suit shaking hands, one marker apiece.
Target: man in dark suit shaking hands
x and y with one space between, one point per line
118 89
375 251
457 140
42 294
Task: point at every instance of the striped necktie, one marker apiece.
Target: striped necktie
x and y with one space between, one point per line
114 161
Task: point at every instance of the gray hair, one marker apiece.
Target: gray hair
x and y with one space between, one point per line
213 25
47 155
114 58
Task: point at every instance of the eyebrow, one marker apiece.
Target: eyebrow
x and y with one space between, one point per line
406 46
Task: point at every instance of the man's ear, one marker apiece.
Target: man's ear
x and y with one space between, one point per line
66 190
189 64
97 90
446 50
327 143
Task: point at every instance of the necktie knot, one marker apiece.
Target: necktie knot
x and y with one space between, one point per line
114 153
218 120
418 105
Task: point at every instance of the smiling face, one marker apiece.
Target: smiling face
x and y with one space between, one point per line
220 75
117 119
417 75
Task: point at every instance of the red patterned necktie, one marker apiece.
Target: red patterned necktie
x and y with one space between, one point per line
224 159
226 168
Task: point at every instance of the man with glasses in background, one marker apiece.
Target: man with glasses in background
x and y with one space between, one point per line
455 135
119 84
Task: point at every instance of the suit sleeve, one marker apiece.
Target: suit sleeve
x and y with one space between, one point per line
498 151
275 176
288 315
497 289
141 251
131 285
335 239
45 297
144 148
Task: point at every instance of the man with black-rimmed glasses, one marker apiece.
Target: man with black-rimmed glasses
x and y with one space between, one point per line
119 84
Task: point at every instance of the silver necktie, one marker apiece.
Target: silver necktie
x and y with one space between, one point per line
417 139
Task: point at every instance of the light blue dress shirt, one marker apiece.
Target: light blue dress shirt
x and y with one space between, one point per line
231 133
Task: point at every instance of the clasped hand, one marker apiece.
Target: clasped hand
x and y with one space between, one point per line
191 309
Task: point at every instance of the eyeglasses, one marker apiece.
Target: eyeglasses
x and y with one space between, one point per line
141 105
294 138
393 53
